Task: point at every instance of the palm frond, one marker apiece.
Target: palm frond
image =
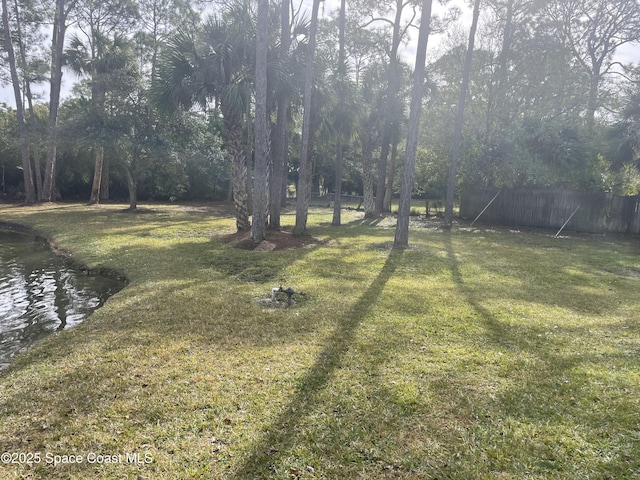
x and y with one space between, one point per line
77 56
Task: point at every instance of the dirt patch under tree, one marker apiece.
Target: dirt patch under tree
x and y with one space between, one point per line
275 240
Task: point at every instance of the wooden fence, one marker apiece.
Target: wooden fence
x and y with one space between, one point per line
594 212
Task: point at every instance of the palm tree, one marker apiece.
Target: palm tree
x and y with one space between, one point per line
260 187
214 65
100 59
103 24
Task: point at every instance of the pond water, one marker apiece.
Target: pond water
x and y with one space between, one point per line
40 293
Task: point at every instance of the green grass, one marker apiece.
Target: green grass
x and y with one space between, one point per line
474 354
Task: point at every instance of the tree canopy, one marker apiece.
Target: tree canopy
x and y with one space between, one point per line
170 98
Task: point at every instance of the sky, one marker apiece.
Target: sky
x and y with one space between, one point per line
626 54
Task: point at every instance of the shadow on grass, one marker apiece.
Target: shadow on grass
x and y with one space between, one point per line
561 384
365 221
176 274
500 334
353 231
282 433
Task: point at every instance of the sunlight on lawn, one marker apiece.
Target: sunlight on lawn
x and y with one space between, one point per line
476 353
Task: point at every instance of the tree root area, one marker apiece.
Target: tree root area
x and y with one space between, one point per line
275 240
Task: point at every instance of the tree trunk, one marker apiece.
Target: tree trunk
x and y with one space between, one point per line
388 192
248 155
393 87
57 49
29 190
104 180
304 174
37 172
132 184
367 179
382 171
230 185
497 92
337 201
235 143
401 238
592 102
48 185
278 166
98 97
457 134
97 175
260 186
30 120
278 178
284 187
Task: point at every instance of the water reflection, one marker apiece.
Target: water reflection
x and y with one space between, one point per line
40 294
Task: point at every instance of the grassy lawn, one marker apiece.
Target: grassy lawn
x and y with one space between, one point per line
475 354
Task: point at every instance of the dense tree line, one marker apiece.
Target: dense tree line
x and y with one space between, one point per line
248 100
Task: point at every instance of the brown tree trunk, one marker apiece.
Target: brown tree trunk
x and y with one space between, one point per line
280 157
260 185
37 172
98 97
337 201
132 184
367 180
235 143
497 92
382 171
104 180
388 192
457 134
401 238
337 204
97 175
393 87
29 190
303 191
57 48
30 119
